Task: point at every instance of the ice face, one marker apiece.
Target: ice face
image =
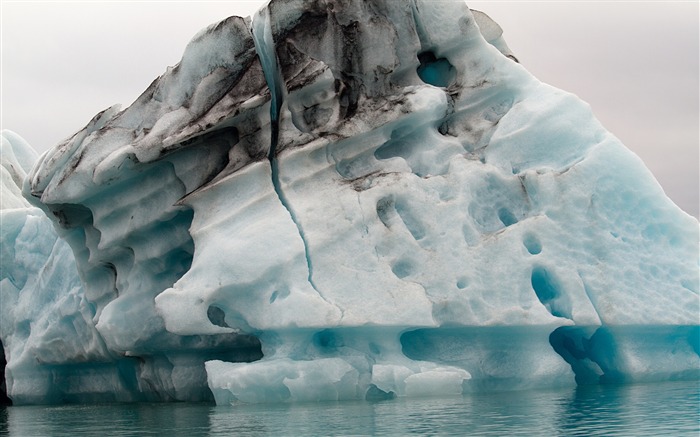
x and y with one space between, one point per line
56 349
416 217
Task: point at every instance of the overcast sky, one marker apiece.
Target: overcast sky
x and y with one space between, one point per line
635 63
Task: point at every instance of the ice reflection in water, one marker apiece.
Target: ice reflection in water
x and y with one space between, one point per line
625 410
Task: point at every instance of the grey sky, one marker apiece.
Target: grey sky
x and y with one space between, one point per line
635 63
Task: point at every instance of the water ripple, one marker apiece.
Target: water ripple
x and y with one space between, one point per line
625 410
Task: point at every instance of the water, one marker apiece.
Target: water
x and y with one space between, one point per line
624 410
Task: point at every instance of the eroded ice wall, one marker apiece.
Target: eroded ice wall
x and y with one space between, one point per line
106 199
435 183
418 216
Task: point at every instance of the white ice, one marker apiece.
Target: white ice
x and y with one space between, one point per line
344 220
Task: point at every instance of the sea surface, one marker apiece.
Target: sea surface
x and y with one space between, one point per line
654 409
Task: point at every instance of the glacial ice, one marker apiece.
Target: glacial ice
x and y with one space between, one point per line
295 212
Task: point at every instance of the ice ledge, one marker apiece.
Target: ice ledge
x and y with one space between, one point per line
347 364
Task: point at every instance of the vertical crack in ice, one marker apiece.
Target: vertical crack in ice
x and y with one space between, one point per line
265 48
285 202
590 296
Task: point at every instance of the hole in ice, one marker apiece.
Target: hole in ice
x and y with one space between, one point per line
71 215
278 294
532 244
327 341
435 71
462 283
592 353
111 276
542 284
402 268
376 394
388 209
217 316
573 344
547 291
506 217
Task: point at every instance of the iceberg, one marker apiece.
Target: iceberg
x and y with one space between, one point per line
341 200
